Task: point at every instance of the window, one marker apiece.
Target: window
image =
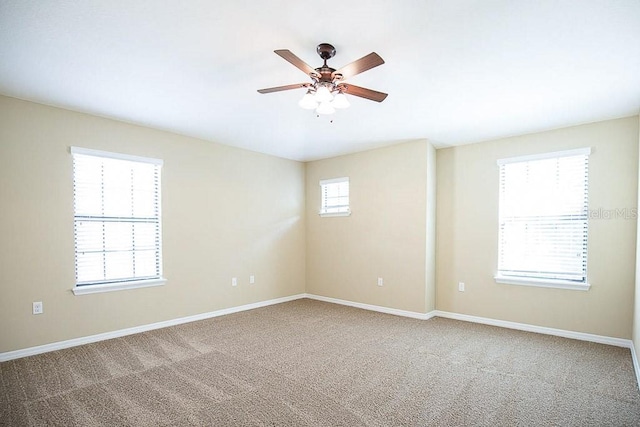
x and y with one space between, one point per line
116 221
543 218
335 197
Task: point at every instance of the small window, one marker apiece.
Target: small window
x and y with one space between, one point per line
116 221
543 219
335 197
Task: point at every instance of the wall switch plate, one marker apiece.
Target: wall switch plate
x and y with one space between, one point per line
380 281
252 279
461 286
234 281
38 308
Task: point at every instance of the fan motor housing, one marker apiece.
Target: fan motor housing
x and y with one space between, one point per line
326 74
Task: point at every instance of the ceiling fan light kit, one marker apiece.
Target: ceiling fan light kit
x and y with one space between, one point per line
308 101
325 107
327 90
340 101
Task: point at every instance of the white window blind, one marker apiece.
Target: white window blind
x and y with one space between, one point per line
116 217
543 216
335 196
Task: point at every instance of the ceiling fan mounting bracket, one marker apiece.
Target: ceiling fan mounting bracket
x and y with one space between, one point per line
326 51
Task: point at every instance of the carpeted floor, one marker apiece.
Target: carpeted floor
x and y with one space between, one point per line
308 363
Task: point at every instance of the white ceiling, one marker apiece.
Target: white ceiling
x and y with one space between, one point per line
456 71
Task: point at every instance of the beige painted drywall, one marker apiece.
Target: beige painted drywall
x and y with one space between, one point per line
467 232
386 234
636 307
430 266
220 220
226 213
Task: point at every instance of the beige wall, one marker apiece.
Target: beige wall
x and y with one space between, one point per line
220 220
430 266
226 213
467 234
636 310
386 234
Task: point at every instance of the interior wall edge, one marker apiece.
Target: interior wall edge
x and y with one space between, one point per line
636 364
635 331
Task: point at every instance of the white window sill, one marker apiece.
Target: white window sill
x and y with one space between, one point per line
542 283
123 286
335 214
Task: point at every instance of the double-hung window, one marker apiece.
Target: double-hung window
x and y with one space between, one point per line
543 220
335 197
116 221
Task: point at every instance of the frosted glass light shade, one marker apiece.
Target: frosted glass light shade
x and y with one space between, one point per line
340 101
325 108
308 101
323 94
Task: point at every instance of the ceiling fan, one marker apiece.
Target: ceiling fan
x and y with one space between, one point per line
327 90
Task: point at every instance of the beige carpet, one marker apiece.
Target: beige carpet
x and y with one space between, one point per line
308 363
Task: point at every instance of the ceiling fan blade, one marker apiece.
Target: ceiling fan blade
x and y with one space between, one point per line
362 92
299 63
287 87
361 65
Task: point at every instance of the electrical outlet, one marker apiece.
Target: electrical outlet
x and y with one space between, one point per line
380 281
234 281
461 286
252 279
38 308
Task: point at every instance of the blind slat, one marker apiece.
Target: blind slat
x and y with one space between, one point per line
543 220
335 195
116 218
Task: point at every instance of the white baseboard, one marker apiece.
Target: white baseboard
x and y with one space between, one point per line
370 307
618 342
31 351
636 365
601 339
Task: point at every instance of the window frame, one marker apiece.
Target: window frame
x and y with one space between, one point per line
126 283
531 280
323 209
